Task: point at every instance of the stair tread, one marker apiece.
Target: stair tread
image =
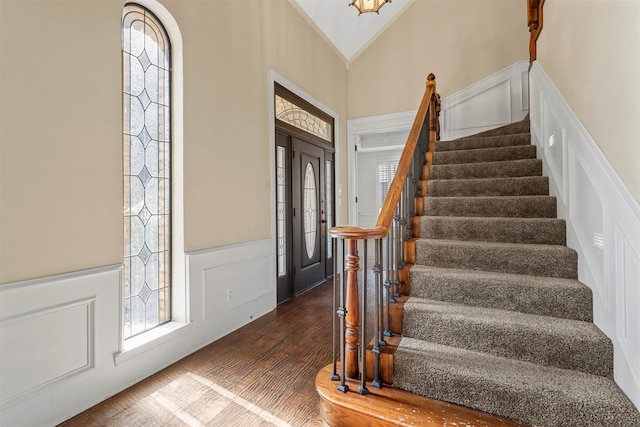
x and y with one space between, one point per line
586 330
537 281
557 296
491 180
477 187
521 167
523 125
483 155
495 219
546 340
505 206
506 140
496 229
524 258
392 406
490 245
528 392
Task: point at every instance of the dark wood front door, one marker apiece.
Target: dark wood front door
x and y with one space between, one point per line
304 205
309 222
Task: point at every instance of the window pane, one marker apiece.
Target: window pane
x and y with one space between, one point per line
281 206
329 198
386 173
146 121
302 119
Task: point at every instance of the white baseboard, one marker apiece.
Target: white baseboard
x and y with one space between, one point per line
603 223
494 101
59 334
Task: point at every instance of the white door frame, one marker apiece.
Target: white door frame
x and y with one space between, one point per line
356 128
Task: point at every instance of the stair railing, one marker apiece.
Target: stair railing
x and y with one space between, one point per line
392 231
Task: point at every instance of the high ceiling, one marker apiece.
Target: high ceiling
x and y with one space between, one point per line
341 24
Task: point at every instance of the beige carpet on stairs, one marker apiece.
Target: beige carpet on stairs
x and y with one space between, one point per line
496 318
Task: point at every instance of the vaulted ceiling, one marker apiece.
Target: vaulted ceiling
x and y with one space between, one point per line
342 26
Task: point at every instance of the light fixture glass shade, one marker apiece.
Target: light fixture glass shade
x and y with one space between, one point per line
365 6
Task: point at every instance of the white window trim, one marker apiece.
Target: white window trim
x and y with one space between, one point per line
180 307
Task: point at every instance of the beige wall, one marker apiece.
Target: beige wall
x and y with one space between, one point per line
460 41
60 130
60 136
591 51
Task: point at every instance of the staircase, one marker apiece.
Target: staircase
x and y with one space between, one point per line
496 319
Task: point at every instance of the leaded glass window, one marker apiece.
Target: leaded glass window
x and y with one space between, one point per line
297 116
329 198
147 171
281 207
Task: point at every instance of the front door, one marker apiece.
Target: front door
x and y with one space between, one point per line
309 220
304 213
305 199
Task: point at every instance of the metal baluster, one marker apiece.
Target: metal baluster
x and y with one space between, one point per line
396 256
334 375
377 271
411 208
388 299
403 224
363 326
342 312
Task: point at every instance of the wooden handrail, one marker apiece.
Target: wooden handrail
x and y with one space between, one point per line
395 189
349 310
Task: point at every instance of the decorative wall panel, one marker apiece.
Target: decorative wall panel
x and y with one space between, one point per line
49 345
628 300
586 210
497 100
232 276
603 223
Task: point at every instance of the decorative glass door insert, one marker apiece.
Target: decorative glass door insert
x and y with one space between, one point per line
310 213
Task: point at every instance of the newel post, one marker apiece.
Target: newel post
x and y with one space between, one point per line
434 114
352 329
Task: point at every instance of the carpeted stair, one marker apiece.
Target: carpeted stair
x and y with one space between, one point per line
496 319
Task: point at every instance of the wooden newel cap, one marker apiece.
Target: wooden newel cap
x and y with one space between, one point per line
431 76
357 233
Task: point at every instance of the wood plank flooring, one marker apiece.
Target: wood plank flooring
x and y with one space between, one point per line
260 375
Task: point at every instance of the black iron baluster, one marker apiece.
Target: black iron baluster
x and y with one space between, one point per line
363 327
334 243
388 298
396 255
342 312
377 271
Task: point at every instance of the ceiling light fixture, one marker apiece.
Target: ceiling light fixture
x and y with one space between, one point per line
365 6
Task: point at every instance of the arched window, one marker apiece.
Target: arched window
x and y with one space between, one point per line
147 168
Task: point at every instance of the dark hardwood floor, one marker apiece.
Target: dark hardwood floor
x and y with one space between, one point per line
260 375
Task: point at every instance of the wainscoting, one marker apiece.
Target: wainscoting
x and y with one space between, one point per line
499 99
603 223
494 101
61 342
